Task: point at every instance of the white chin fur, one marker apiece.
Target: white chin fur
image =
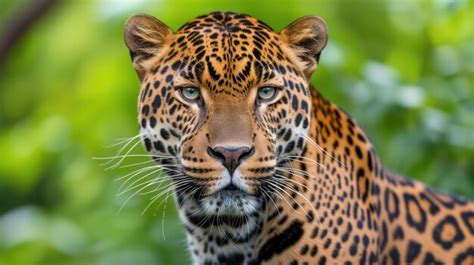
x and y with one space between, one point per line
230 203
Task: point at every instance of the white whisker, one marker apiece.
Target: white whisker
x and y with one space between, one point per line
306 199
323 150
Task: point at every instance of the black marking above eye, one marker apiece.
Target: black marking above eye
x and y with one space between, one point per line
212 71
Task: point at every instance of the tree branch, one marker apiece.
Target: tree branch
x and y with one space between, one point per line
20 24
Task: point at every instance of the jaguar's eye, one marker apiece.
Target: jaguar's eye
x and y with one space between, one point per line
267 93
190 93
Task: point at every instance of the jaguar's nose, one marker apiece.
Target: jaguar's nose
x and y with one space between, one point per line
230 156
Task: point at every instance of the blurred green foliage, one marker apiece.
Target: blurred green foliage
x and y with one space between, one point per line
403 69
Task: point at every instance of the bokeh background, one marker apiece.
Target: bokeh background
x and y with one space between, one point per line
404 69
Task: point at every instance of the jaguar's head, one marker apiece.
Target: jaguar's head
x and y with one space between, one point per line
224 101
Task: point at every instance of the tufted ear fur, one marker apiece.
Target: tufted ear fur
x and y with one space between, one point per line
307 37
145 37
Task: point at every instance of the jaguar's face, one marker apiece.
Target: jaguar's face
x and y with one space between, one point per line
224 103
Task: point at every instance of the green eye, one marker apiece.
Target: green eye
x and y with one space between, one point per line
267 93
190 93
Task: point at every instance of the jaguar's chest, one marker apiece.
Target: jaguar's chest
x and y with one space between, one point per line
220 245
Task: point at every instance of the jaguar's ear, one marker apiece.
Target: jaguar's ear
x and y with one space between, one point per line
145 37
306 37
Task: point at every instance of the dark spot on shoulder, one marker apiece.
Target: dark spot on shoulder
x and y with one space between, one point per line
282 241
447 232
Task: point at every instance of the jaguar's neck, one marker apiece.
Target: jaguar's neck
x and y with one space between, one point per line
224 239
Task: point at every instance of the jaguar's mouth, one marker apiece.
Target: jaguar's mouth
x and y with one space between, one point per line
231 188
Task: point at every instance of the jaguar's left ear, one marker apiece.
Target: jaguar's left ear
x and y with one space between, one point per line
306 37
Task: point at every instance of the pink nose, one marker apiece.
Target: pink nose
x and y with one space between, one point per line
230 157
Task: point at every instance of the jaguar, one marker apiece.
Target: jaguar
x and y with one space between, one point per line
264 169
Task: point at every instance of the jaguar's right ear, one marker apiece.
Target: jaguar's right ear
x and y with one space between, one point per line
307 37
146 38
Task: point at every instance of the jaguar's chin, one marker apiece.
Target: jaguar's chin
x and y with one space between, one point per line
230 202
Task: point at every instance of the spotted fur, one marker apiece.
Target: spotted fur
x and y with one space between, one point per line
311 189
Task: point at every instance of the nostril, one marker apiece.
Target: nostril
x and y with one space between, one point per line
247 153
216 154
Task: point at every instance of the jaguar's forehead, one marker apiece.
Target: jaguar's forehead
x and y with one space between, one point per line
225 23
224 49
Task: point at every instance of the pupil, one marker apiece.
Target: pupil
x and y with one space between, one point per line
267 91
